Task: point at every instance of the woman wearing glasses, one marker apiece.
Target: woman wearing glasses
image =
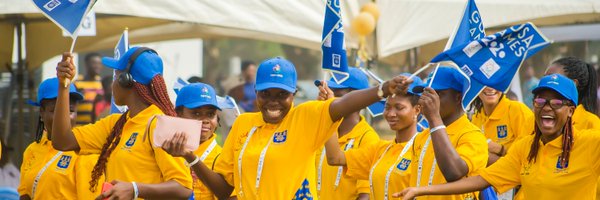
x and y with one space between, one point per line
557 162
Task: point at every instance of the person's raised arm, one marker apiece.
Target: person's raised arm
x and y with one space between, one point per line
359 99
62 136
452 166
466 185
165 190
214 181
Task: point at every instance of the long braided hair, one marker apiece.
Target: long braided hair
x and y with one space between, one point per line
585 75
155 93
567 144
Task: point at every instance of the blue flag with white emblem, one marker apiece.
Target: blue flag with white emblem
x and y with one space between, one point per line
67 14
120 49
470 27
494 60
332 43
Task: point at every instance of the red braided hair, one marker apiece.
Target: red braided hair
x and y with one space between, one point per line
156 94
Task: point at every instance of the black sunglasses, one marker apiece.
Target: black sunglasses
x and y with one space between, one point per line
554 103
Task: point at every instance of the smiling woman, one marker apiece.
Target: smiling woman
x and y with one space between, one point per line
271 154
557 162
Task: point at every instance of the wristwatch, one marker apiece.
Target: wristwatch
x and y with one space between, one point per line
380 91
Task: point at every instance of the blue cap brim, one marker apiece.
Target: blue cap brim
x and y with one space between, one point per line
33 103
269 85
195 105
334 85
111 63
537 89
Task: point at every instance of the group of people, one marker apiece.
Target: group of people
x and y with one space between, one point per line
319 149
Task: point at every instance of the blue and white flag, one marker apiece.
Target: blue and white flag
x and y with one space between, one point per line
67 14
332 43
470 27
120 49
377 108
494 60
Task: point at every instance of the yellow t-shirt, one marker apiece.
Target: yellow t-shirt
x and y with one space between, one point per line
85 165
58 179
509 121
362 136
134 158
583 120
544 179
289 164
201 192
470 144
359 163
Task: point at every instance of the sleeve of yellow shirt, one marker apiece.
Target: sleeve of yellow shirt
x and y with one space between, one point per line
504 174
370 138
472 148
171 168
522 119
359 161
317 113
92 137
24 186
225 164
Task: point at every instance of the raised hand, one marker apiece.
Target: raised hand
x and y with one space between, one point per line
65 68
324 92
176 146
430 104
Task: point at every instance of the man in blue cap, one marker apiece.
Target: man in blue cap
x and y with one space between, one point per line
453 142
353 133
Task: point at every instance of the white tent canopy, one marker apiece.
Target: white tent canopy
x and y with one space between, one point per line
296 23
406 24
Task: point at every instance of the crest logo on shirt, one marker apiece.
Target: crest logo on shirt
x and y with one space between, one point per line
526 169
403 164
303 192
131 141
502 131
63 162
280 137
560 168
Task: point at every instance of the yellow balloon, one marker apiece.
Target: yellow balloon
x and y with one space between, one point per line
363 24
371 8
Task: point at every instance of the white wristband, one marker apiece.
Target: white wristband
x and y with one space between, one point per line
489 140
193 162
136 192
437 128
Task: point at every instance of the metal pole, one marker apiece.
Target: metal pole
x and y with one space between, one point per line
20 87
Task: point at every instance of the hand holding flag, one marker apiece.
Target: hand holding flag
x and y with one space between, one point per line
493 60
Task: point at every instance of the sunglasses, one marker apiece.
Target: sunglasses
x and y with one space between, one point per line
554 103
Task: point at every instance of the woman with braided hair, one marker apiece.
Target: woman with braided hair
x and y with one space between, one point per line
132 165
557 162
584 76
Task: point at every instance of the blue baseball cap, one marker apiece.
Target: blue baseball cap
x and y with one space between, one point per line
417 82
276 73
357 80
559 83
147 65
48 89
196 95
444 78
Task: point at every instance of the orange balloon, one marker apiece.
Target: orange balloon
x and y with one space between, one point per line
371 8
363 24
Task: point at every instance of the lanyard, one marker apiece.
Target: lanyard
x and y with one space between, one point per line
340 170
387 176
261 159
39 175
420 167
212 145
